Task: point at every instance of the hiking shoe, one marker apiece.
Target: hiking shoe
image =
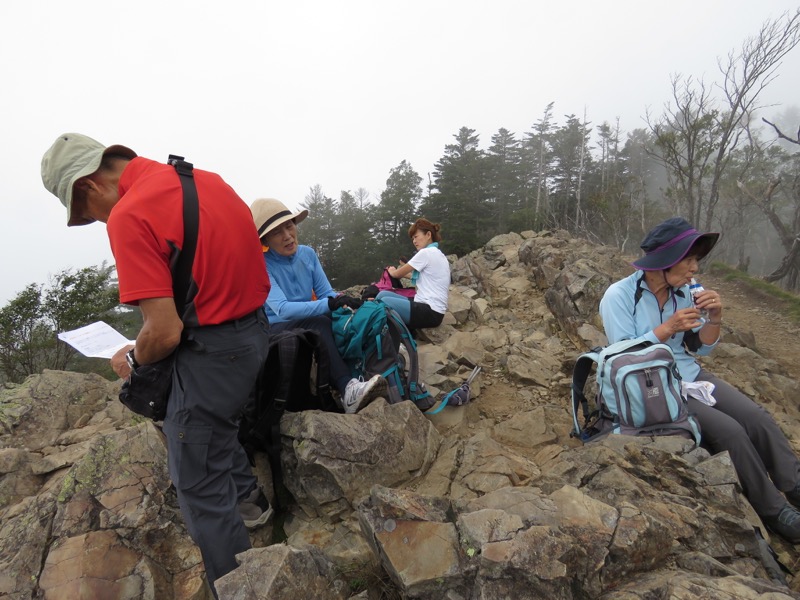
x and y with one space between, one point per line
793 496
786 524
358 394
255 509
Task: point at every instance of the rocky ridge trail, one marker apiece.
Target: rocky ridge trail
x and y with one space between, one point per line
487 501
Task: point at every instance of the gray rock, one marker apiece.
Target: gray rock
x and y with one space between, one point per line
281 572
459 306
533 366
331 460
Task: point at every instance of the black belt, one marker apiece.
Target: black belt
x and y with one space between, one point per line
247 319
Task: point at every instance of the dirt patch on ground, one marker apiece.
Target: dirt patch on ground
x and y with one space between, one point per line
747 310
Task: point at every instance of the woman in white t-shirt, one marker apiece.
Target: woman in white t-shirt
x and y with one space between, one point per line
430 274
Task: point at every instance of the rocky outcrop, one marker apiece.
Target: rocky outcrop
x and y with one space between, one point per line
483 501
103 521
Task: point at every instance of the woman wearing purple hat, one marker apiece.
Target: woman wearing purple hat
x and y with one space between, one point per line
655 304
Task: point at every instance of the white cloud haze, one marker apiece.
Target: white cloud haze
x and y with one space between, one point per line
278 97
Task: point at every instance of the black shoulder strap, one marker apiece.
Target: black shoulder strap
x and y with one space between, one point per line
182 271
580 373
637 294
417 392
287 346
323 361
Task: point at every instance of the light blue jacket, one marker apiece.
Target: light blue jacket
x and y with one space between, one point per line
292 280
624 322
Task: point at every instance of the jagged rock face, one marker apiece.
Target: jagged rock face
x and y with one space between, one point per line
484 501
642 506
104 521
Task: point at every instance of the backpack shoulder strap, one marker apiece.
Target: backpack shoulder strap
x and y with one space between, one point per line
580 373
182 269
416 392
354 330
287 345
322 376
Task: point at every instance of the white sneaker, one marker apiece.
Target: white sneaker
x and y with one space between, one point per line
358 394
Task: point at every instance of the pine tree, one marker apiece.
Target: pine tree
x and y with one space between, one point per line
459 199
536 162
319 230
505 183
396 212
356 262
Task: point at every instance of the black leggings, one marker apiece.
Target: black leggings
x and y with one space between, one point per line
423 316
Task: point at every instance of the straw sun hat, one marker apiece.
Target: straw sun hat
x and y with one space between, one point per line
269 213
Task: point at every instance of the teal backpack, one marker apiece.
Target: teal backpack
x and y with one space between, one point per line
375 340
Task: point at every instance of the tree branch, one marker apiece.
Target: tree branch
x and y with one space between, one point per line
781 135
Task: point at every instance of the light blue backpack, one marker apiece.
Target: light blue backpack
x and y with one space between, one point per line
638 393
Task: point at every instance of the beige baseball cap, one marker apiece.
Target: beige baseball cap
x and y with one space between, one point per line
71 157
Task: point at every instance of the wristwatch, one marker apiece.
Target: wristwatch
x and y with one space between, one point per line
131 360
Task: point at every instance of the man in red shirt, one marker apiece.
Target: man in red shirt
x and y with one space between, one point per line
220 341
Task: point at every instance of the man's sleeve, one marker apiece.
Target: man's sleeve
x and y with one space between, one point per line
142 262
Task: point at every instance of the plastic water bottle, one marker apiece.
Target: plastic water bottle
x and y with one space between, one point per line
694 289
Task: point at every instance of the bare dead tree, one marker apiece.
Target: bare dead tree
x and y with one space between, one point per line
764 202
683 143
542 129
789 267
697 134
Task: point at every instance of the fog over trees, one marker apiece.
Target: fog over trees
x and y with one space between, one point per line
706 156
709 155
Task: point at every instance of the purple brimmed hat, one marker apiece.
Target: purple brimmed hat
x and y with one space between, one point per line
669 242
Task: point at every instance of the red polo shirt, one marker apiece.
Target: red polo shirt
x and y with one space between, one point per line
146 225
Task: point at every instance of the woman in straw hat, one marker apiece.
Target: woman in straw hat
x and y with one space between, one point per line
655 304
302 297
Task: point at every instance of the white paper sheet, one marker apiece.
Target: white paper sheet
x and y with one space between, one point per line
99 340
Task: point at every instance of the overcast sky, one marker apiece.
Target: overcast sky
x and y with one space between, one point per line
278 97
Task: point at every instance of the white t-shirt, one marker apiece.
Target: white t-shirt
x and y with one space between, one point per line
433 282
